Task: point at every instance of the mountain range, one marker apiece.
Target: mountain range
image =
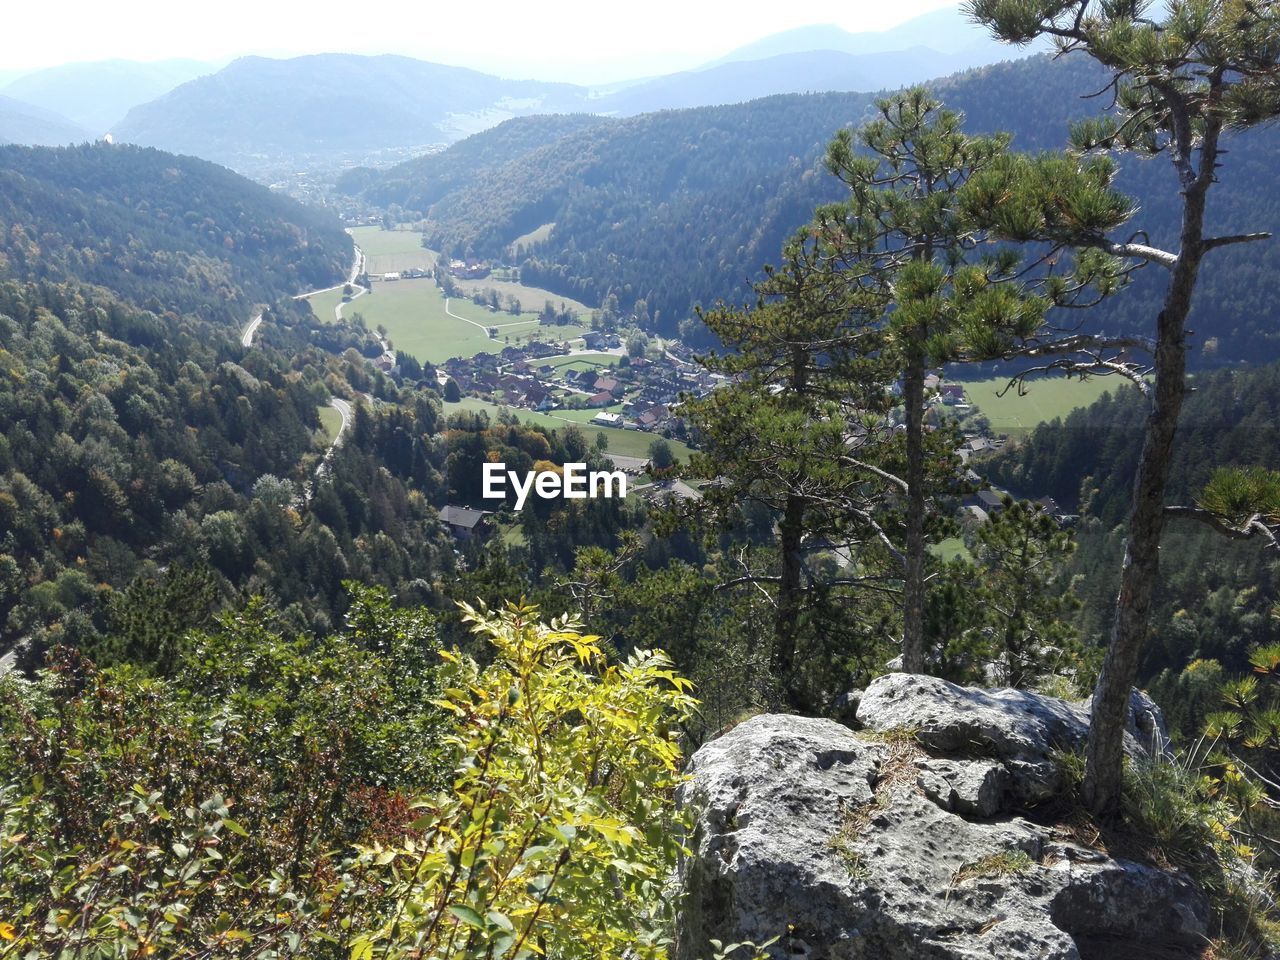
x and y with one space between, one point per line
28 124
262 116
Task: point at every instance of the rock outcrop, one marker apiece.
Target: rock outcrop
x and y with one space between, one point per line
929 833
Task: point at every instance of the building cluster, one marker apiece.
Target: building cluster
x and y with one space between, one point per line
641 395
469 269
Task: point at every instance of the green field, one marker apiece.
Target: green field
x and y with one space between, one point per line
413 312
627 443
531 298
330 422
533 236
584 416
388 251
1044 400
323 304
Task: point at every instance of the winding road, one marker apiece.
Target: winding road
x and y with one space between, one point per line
250 330
357 267
342 406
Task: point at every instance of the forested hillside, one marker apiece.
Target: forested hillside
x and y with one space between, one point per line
1216 595
173 233
680 208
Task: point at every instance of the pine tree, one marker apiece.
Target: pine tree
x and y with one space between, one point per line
904 237
1183 77
797 430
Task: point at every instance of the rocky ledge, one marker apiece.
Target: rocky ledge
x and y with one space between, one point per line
935 830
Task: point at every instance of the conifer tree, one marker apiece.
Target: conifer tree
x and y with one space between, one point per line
1184 76
798 430
904 239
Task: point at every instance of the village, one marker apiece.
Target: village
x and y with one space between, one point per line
630 393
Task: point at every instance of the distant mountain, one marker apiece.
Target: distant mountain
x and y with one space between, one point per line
164 232
945 31
25 123
810 71
263 117
683 207
332 107
96 95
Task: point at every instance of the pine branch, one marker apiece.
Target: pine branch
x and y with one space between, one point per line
1214 243
1254 527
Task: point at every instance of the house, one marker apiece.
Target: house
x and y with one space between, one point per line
652 417
469 269
386 362
990 500
464 522
536 397
596 340
602 399
610 384
953 393
664 491
1049 506
641 363
632 466
603 419
540 351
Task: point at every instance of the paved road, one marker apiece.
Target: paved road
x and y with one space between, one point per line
357 267
250 330
344 410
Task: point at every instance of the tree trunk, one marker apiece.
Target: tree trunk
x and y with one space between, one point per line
790 542
1104 769
790 535
913 660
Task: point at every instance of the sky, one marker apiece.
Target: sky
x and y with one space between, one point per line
582 41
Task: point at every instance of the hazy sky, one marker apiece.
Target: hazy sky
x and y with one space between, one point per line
578 40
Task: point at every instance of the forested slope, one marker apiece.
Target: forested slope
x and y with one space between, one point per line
1216 594
174 233
679 208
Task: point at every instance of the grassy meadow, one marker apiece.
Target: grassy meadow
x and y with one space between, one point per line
330 422
1044 400
414 314
389 251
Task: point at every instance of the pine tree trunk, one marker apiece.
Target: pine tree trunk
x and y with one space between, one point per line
1104 770
790 542
790 535
913 574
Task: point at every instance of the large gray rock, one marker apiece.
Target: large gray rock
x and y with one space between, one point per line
852 844
1027 732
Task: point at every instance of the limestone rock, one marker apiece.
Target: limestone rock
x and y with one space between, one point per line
1023 730
972 787
853 845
